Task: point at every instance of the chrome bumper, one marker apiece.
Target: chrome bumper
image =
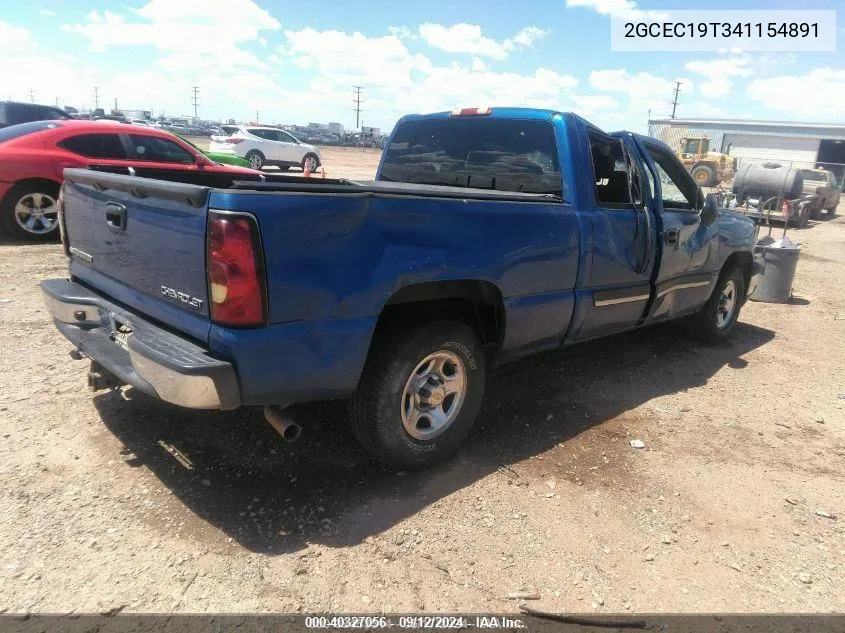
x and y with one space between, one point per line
147 357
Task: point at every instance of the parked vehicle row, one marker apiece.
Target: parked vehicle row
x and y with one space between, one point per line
34 155
487 236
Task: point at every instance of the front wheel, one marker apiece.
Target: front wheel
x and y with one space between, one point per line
704 176
420 394
715 321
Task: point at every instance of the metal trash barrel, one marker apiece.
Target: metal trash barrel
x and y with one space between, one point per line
774 283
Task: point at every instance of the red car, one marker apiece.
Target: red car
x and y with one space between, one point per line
34 155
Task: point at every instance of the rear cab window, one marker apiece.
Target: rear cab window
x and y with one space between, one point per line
498 154
95 146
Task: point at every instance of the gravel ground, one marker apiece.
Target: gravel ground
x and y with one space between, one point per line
736 503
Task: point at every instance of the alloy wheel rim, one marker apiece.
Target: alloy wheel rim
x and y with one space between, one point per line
727 305
433 395
37 213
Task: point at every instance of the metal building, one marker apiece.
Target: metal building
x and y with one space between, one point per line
801 144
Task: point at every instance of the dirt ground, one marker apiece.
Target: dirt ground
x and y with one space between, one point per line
736 503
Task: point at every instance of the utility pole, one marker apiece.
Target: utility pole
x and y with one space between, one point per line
96 97
256 116
57 102
31 95
195 99
675 101
116 109
357 102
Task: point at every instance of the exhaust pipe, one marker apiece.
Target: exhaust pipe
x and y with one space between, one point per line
100 378
284 424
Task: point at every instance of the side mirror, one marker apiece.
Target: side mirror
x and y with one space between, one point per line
200 160
710 211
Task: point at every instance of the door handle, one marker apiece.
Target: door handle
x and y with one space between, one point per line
670 236
116 215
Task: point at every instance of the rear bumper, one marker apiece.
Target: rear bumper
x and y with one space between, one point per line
148 357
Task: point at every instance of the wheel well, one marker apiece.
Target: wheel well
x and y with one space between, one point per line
26 182
477 303
254 151
744 261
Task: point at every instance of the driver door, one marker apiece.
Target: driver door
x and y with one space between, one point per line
687 247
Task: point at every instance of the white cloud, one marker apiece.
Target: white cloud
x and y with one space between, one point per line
645 91
468 38
718 73
478 65
813 95
528 35
623 9
13 38
210 30
402 31
398 81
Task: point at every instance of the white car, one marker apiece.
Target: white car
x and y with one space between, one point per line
267 146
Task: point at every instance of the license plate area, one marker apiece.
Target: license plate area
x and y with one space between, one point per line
121 330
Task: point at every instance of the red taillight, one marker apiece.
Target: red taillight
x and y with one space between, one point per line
471 111
234 141
235 270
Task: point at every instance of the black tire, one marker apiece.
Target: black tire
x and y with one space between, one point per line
39 190
704 176
831 212
313 156
256 159
816 213
705 325
377 406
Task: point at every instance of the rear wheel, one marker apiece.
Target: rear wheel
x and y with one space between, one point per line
256 159
704 176
715 321
30 212
420 394
832 210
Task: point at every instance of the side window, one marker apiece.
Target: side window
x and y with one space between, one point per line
679 190
159 150
267 135
287 138
691 147
612 173
95 146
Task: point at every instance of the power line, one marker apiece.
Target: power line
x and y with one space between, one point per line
357 102
195 99
675 101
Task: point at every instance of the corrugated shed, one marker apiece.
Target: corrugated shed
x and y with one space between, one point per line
753 140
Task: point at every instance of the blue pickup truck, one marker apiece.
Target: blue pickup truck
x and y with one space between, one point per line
487 235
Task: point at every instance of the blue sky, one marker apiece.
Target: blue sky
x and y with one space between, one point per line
298 61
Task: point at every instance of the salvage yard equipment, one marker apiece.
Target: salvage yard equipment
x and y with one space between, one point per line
707 168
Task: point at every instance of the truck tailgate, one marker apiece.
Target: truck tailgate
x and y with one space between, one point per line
140 242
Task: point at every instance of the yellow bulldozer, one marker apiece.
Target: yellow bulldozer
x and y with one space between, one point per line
708 168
